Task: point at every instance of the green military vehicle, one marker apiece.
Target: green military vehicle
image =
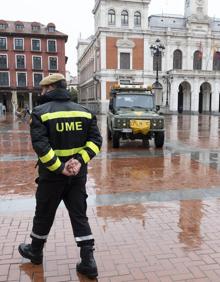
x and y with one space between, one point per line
132 115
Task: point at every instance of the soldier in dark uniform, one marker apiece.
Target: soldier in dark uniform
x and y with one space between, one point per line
65 138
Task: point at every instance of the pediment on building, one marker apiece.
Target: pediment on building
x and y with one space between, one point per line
125 43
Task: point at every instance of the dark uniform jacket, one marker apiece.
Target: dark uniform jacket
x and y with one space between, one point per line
60 130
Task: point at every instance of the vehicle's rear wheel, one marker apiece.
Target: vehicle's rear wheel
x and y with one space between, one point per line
115 140
159 139
145 142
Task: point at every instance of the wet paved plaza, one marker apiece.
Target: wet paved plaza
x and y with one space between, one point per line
154 212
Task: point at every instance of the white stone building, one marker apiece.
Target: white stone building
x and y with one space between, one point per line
72 81
119 51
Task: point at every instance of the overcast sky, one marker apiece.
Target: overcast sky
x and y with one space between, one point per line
75 16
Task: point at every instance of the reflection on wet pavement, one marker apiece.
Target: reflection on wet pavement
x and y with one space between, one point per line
151 174
154 212
33 272
17 178
190 158
189 222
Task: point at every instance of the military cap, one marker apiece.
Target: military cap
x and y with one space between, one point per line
50 79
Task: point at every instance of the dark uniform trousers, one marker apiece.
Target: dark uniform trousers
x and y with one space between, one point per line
49 194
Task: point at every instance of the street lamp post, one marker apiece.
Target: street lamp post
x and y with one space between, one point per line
157 50
168 78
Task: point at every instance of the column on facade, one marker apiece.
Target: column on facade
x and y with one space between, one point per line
189 56
215 96
168 65
174 96
103 90
95 57
209 56
148 59
104 101
103 52
14 101
103 68
103 17
30 102
96 99
195 95
144 22
187 96
168 56
185 50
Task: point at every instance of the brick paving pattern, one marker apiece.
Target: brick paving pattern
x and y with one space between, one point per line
173 241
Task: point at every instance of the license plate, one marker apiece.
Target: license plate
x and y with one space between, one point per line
139 123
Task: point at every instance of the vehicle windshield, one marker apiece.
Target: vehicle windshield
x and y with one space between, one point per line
134 101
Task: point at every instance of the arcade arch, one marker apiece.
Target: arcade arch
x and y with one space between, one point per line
184 97
205 97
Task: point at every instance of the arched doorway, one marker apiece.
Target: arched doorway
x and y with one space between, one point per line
184 97
5 99
205 98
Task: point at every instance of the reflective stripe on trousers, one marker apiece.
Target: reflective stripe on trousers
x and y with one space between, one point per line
41 237
84 238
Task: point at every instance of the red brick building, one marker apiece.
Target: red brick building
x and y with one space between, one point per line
28 52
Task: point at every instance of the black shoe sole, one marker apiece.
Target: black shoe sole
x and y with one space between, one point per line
88 275
24 255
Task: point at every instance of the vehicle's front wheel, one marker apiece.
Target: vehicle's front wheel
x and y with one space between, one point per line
115 140
159 139
109 134
145 142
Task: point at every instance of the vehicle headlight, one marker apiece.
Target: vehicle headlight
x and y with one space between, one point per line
124 122
161 123
118 122
153 123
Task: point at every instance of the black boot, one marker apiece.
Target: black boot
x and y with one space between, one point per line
88 265
33 251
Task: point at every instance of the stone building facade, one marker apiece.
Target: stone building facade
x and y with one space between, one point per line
119 51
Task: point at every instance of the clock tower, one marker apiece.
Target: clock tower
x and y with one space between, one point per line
197 8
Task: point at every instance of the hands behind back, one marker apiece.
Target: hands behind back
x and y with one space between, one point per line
72 167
